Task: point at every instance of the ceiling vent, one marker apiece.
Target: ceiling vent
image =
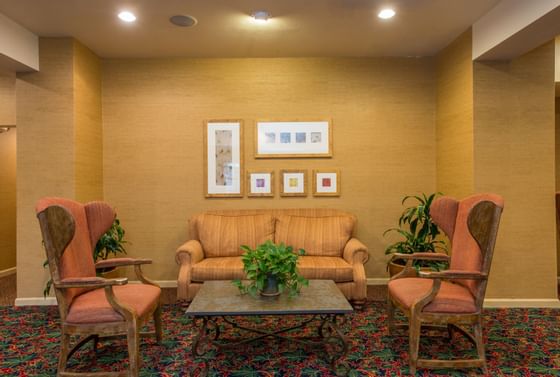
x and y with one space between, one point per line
183 21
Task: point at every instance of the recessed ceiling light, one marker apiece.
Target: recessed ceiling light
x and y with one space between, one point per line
183 21
261 16
386 13
127 16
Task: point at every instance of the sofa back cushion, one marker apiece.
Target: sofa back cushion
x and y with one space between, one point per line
222 235
324 236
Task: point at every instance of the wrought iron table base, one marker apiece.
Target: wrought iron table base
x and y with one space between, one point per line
330 339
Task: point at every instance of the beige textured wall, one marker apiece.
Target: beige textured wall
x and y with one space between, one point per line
45 152
557 164
88 138
153 110
514 156
454 118
8 199
7 98
7 171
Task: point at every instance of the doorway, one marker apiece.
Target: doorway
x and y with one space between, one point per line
8 137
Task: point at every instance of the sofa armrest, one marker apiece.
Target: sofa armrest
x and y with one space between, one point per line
189 253
355 252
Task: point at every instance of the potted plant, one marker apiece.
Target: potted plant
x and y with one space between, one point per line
110 243
419 234
271 269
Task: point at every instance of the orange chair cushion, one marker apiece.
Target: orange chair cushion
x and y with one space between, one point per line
93 307
222 236
220 268
324 236
331 268
451 298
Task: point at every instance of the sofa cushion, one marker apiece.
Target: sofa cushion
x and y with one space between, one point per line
318 236
218 268
331 268
222 235
451 298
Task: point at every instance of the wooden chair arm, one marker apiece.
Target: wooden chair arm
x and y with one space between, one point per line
90 282
453 274
421 256
119 262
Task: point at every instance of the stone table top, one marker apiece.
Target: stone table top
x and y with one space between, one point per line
222 298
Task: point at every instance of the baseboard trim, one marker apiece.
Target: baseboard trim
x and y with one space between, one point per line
35 301
377 281
7 272
521 303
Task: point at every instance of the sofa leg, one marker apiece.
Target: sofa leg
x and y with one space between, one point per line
358 304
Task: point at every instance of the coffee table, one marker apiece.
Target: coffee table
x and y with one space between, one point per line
218 305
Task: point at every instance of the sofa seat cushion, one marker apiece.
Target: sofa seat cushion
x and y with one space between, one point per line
93 307
326 268
318 236
451 298
219 268
222 235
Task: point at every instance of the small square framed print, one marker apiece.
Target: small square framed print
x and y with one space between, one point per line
293 183
326 182
260 183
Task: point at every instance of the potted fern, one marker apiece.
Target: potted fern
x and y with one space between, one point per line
271 269
419 234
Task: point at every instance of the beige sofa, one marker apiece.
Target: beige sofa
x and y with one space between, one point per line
213 251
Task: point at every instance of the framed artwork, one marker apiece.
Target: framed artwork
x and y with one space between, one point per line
326 182
260 183
223 158
293 183
293 139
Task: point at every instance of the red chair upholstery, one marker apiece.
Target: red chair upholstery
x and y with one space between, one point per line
453 297
92 307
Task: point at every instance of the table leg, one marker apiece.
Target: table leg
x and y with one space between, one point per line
335 343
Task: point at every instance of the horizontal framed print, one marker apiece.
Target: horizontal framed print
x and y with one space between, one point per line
223 158
260 183
326 182
293 139
293 183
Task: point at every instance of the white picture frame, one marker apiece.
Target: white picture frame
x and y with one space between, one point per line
223 158
293 182
326 182
260 183
289 139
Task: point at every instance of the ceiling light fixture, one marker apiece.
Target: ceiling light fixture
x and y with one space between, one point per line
127 16
4 129
183 21
261 16
386 13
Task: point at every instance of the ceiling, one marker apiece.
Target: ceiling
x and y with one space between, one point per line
297 27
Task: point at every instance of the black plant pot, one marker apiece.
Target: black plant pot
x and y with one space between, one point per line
271 287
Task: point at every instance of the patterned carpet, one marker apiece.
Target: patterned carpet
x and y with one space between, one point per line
520 342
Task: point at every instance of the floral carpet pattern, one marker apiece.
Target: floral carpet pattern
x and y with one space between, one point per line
519 342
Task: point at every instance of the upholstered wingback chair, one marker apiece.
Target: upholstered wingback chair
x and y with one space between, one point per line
452 297
92 307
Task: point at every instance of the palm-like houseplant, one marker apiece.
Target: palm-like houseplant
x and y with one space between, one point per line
419 233
270 264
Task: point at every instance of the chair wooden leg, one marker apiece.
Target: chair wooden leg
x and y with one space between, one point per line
157 324
133 338
414 342
477 329
390 316
64 349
